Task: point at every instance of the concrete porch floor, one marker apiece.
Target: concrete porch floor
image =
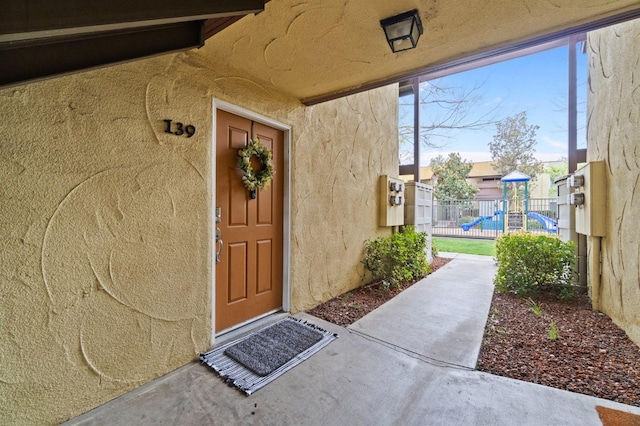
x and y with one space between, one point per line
409 362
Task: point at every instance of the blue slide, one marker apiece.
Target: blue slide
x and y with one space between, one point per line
549 224
467 226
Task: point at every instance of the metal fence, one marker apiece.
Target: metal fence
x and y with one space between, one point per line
490 218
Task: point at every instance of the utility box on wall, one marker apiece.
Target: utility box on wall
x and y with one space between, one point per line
589 198
391 201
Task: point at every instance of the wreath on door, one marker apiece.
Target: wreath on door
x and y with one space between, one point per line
252 179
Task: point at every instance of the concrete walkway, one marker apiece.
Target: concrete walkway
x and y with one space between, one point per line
409 362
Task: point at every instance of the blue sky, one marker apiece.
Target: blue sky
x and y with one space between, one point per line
537 84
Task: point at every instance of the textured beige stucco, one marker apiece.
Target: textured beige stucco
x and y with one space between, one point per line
342 149
311 48
105 223
614 136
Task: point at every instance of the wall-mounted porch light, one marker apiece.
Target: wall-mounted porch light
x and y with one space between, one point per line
402 31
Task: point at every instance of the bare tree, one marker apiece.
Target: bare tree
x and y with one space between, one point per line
449 108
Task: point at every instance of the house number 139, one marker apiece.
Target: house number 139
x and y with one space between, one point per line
179 129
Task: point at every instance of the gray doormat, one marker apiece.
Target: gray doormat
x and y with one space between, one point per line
259 358
272 347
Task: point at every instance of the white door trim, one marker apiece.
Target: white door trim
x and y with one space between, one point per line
286 225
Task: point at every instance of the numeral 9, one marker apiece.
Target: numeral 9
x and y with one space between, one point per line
181 129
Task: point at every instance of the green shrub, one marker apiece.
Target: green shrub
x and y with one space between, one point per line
529 263
434 248
397 258
553 331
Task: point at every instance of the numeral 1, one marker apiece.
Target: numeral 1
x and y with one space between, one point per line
181 129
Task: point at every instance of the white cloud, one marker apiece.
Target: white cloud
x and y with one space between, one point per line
554 143
546 157
494 101
425 85
474 156
477 156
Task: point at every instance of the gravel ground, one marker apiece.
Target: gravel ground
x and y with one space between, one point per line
589 355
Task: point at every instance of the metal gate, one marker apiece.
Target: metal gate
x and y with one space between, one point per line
490 218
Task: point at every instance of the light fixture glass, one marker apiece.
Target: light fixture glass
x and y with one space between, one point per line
402 31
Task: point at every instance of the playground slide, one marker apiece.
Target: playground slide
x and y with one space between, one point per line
467 226
549 224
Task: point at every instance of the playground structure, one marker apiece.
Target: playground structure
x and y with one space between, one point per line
515 209
487 222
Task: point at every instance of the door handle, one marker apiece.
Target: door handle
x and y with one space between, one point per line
219 243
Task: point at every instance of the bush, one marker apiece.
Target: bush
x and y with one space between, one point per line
397 258
528 264
435 251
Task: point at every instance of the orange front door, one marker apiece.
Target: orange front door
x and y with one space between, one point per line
249 271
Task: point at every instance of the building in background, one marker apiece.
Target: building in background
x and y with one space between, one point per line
484 177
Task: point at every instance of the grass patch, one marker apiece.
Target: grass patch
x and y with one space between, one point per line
465 245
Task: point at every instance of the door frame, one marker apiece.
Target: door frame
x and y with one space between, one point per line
286 208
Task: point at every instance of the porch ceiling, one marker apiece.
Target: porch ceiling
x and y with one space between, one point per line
317 49
42 39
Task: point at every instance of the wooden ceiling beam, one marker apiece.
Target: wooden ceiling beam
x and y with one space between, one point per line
23 20
32 60
43 39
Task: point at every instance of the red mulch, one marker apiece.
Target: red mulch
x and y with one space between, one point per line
591 355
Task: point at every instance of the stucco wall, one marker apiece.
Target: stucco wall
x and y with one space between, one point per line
342 149
614 136
105 223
